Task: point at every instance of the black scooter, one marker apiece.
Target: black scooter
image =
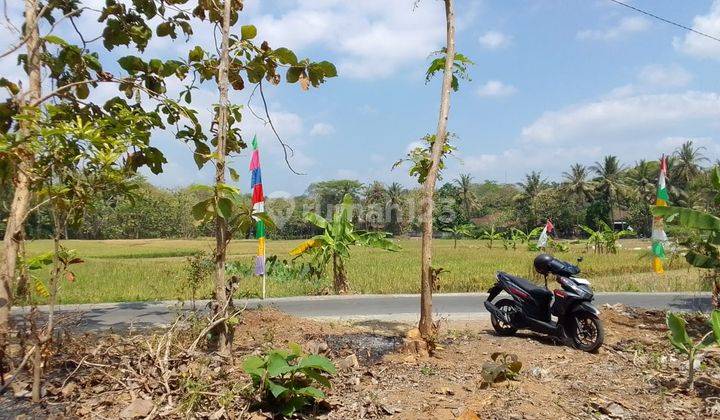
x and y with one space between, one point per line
531 306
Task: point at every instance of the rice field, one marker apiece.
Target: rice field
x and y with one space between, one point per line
143 270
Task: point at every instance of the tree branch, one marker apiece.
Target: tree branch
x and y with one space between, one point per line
42 11
284 145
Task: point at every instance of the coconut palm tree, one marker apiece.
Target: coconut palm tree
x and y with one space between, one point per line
642 178
687 164
469 199
576 182
610 181
396 199
531 187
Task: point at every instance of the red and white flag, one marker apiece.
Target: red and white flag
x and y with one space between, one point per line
542 240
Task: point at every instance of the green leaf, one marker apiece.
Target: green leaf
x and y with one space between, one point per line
252 365
678 334
312 392
202 209
165 29
688 217
12 87
82 91
316 220
132 64
715 177
234 175
293 74
276 389
277 365
54 39
224 206
248 32
328 68
196 54
285 56
317 362
715 322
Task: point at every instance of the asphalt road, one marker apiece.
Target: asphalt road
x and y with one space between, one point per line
401 308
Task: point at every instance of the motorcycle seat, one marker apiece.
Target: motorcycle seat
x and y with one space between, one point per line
534 290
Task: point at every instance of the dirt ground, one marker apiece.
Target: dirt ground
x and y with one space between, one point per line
636 374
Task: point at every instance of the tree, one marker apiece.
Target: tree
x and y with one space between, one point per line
238 59
610 182
76 162
687 164
333 245
328 193
375 199
576 183
469 199
524 200
73 70
394 206
426 325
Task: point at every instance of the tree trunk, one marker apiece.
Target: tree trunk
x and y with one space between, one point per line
426 325
340 282
222 300
46 335
21 181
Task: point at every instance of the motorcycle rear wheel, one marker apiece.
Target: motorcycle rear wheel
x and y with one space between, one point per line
507 306
587 332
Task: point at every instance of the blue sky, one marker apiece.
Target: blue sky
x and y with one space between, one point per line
555 82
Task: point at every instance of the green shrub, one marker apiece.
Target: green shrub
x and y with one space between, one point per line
287 381
680 339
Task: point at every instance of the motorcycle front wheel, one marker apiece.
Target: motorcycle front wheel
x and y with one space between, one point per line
507 307
587 332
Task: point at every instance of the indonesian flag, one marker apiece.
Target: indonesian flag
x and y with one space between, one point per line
258 203
542 240
658 228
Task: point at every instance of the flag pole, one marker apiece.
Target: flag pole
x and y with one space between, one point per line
263 286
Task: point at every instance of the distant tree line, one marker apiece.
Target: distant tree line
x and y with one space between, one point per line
608 191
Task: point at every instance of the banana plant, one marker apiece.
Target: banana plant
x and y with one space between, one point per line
333 245
605 239
460 230
703 249
491 236
680 339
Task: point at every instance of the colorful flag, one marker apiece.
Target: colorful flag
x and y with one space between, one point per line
658 232
258 203
543 239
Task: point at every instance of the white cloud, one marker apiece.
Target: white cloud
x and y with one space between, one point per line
373 38
625 118
625 26
322 129
494 40
496 88
697 45
665 76
414 145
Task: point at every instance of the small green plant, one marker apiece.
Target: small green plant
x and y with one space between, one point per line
289 381
680 339
502 366
427 370
605 239
491 236
198 268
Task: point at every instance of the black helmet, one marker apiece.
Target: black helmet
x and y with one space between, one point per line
543 263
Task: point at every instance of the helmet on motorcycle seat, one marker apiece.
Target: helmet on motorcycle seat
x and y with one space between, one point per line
543 263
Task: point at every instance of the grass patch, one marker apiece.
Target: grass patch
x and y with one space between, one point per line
142 270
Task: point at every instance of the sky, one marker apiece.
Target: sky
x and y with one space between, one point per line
554 82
